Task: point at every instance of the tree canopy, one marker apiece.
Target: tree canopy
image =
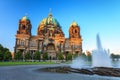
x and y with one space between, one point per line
60 56
45 56
69 56
5 54
18 56
27 56
37 55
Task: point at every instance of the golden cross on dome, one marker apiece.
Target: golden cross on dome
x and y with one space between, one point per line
26 14
50 12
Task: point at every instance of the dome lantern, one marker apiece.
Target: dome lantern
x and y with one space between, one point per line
25 18
74 23
50 13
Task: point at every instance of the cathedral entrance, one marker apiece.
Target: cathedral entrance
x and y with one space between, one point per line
51 51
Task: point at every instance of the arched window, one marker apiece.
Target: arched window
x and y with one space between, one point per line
75 31
23 27
50 46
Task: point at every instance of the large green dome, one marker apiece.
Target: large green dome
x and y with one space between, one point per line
50 20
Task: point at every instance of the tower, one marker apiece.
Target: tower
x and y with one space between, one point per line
23 34
74 31
24 26
75 39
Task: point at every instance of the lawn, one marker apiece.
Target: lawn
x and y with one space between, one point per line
25 63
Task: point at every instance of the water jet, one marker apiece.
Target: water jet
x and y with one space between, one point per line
100 57
101 64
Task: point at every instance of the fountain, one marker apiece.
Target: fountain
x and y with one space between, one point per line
78 62
101 64
100 57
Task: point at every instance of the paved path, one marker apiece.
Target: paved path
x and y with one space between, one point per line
27 72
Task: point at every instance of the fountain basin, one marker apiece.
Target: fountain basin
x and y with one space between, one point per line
102 71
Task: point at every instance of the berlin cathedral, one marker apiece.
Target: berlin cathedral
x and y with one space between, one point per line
50 38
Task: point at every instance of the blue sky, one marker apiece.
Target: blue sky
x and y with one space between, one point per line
93 16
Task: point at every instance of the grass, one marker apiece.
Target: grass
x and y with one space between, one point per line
25 63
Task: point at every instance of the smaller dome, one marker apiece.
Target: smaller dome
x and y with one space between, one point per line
74 24
25 18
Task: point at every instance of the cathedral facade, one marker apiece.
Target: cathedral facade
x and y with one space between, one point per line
50 38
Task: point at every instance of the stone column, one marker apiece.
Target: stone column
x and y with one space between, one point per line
38 46
15 45
28 40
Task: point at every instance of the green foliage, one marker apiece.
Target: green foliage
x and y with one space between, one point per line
7 55
1 56
1 53
27 56
4 53
25 63
83 55
113 56
45 56
60 56
18 56
1 48
69 56
75 55
88 57
37 55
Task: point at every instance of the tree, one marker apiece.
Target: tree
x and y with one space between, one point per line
27 56
18 56
37 55
75 55
1 56
60 56
69 56
1 53
5 53
7 56
115 56
1 47
89 57
45 56
83 55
